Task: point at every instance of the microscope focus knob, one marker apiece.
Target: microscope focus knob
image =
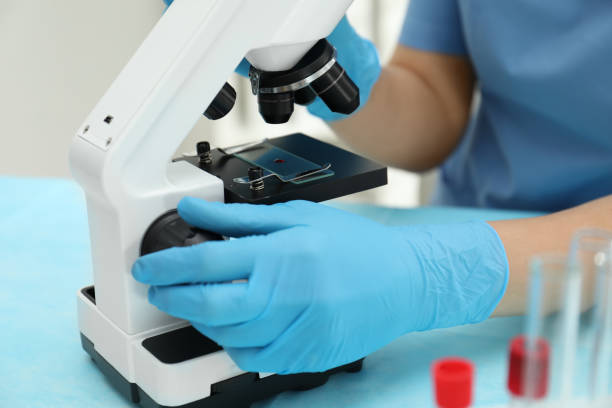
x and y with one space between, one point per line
170 230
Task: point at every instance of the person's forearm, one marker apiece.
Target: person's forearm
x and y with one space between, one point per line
525 238
416 113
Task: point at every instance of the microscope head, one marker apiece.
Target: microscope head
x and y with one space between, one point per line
291 60
318 73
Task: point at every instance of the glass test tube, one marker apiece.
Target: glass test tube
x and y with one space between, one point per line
591 255
566 354
600 388
543 346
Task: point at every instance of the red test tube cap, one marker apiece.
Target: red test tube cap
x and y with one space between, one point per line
453 382
538 359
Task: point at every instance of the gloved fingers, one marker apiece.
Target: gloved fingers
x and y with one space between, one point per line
286 352
243 68
345 34
237 220
209 304
343 30
210 262
258 332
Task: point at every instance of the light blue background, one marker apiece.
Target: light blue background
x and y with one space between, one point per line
44 261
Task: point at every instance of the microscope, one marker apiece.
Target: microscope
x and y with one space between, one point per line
122 156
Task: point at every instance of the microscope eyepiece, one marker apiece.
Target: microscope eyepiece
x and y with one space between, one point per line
317 74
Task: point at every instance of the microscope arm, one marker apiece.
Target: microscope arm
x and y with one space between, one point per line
121 154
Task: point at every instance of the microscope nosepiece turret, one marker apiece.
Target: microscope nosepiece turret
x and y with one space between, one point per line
318 73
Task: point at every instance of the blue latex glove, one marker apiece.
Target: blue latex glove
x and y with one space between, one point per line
325 287
356 54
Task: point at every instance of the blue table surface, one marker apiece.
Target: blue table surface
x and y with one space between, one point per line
45 260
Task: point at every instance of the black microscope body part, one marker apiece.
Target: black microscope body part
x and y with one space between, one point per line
222 104
352 173
317 74
170 230
256 182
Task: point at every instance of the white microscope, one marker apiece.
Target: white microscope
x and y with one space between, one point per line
122 157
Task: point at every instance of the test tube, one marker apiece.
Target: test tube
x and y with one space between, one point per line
591 256
601 355
537 358
569 317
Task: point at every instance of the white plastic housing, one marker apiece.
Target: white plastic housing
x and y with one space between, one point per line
121 154
168 384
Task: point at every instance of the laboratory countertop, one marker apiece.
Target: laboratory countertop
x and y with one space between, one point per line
45 259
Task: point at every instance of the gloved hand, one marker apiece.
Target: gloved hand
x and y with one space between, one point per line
356 54
325 287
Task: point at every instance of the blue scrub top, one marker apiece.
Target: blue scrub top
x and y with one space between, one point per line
542 136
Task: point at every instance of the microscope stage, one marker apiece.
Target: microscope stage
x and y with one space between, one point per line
348 173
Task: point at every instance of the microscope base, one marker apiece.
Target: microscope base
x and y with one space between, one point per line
176 366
